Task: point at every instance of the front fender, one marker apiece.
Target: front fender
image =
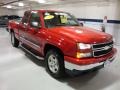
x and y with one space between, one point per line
67 46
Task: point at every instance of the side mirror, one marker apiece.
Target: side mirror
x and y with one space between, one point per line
81 24
35 24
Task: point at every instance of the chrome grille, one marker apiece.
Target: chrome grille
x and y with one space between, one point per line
102 49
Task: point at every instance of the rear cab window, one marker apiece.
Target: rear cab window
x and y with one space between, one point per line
26 17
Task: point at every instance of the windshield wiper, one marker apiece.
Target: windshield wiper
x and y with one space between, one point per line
75 25
60 25
66 25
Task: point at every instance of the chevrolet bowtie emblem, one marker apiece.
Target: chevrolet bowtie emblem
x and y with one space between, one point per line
106 47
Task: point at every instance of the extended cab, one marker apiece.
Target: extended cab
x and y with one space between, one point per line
59 39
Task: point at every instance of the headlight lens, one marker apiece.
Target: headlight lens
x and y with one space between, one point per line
83 46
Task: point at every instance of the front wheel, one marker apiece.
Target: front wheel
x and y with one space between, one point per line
55 64
14 40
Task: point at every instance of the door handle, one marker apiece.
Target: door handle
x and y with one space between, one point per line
24 26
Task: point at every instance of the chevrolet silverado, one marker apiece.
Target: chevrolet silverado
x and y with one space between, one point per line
59 39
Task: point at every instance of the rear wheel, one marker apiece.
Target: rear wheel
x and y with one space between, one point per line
14 40
55 63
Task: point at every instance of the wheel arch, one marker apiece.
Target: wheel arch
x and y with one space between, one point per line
11 30
48 47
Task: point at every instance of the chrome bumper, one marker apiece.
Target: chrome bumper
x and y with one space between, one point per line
71 66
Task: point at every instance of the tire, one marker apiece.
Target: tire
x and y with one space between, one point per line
14 40
55 64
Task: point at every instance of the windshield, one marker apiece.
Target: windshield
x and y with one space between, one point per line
53 19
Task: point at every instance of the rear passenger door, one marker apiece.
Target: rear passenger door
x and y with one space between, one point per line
34 26
23 27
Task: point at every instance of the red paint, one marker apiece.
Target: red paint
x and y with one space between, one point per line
64 37
87 61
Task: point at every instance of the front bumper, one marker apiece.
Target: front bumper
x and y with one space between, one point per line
88 63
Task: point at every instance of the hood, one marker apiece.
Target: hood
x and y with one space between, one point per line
82 34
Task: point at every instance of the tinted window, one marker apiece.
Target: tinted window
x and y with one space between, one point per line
35 17
26 17
13 17
4 17
53 19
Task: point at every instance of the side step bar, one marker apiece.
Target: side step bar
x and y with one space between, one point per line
38 57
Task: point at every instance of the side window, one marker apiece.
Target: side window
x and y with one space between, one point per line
35 20
25 18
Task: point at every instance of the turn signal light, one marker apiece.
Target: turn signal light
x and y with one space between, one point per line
83 55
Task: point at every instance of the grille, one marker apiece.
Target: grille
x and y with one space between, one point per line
102 49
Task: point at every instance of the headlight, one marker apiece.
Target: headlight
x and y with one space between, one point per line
83 46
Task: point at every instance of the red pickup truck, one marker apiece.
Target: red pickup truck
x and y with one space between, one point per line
59 39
